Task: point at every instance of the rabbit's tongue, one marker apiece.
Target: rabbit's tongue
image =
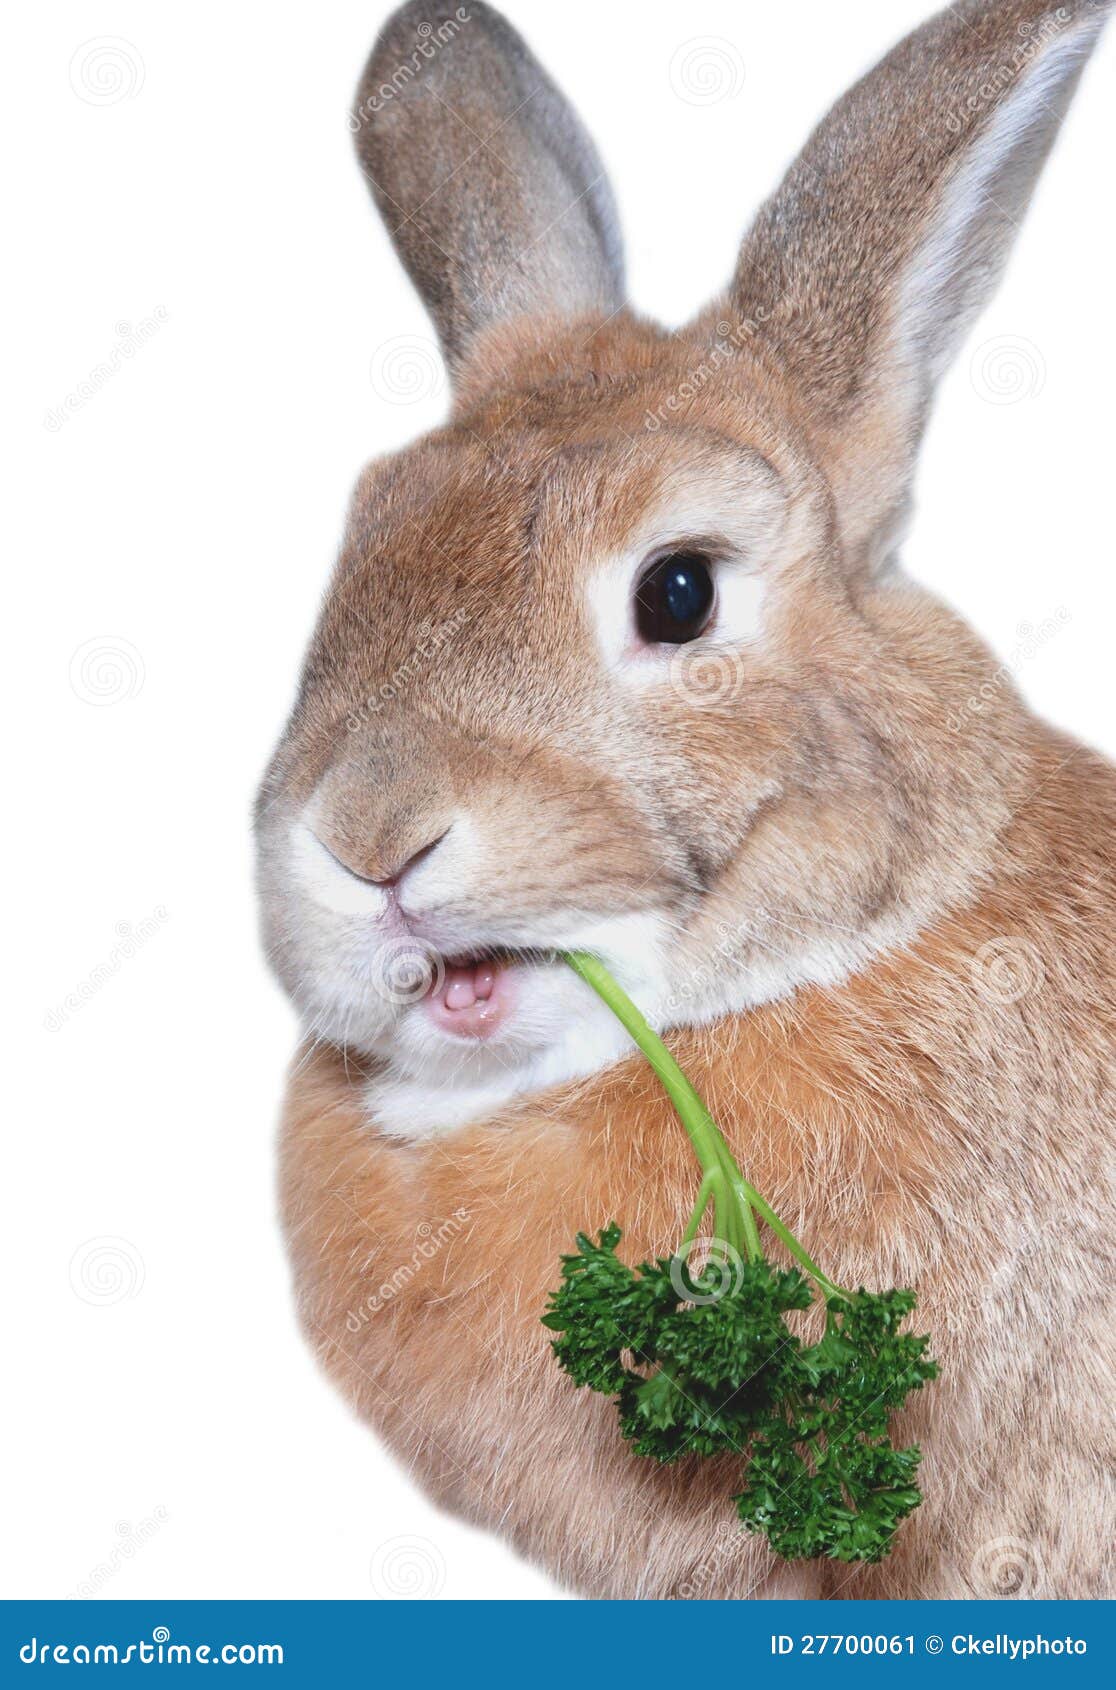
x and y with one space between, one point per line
471 1000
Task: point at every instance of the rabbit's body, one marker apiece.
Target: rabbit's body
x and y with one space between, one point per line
911 1129
681 707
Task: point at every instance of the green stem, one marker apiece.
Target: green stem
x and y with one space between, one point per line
705 1192
735 1201
746 1198
782 1231
709 1146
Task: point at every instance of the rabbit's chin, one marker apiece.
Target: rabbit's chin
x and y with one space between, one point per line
484 1035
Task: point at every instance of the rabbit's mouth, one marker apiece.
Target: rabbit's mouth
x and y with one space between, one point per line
472 997
494 1022
470 1000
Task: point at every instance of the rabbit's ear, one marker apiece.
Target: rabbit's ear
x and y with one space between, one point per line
491 189
868 265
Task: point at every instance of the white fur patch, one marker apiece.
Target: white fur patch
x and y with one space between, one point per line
560 1031
960 259
735 514
328 883
449 870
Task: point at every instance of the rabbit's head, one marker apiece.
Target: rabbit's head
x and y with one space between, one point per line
621 658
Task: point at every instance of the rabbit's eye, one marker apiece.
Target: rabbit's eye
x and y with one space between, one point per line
674 599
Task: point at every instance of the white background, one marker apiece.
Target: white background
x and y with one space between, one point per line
170 538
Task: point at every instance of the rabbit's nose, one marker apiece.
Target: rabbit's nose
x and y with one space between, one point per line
385 865
389 876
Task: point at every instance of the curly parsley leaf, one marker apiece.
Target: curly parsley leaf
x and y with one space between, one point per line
707 1363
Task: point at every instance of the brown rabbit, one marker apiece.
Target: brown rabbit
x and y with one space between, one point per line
623 659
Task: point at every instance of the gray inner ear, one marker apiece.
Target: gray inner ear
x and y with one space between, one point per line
891 229
492 191
890 232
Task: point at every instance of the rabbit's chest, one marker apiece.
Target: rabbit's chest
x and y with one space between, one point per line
423 1272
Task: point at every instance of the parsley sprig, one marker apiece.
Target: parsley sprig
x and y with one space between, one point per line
703 1362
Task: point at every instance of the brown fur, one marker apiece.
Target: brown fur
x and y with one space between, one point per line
911 1129
942 1118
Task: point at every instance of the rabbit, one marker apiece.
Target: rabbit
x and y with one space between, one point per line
623 659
